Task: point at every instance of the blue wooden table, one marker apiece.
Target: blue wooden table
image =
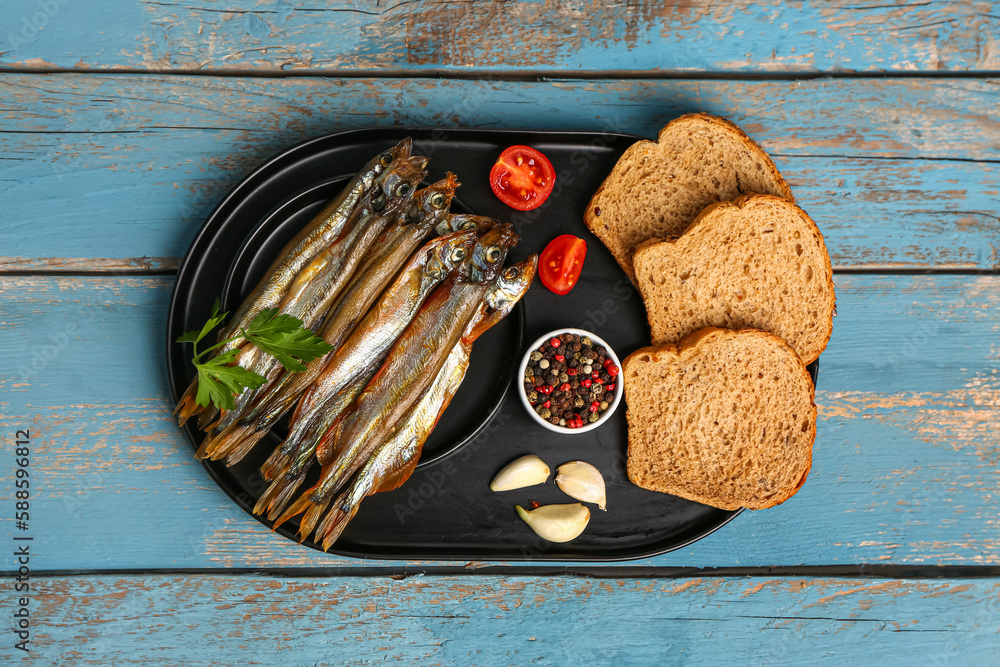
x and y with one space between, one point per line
122 124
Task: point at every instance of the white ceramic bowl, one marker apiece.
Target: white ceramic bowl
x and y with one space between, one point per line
565 429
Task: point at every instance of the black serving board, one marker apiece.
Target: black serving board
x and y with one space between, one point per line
446 510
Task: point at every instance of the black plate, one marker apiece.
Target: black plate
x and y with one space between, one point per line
446 510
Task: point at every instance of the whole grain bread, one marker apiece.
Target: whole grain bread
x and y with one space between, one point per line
758 262
725 418
658 188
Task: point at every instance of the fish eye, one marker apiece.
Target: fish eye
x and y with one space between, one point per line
385 159
403 189
458 254
511 273
493 255
437 200
468 224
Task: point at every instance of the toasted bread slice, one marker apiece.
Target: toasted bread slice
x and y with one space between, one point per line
725 418
658 188
758 262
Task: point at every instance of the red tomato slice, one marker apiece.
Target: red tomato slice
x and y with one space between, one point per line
522 178
561 262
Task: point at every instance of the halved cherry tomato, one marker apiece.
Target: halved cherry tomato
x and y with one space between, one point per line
522 178
561 262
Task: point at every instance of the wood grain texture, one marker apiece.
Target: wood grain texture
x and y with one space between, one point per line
515 620
108 173
574 35
905 467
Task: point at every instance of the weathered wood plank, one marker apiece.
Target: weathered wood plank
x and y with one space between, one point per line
118 172
491 620
573 35
905 467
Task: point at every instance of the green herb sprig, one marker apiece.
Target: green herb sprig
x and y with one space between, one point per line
282 336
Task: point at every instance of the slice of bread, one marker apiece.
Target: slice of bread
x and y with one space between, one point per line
758 262
658 188
725 418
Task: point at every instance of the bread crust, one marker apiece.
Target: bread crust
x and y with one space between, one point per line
617 180
715 215
692 346
728 126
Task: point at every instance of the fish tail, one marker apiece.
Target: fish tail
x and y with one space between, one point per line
311 516
186 408
244 446
211 443
285 487
217 445
333 525
297 508
189 393
276 464
265 498
207 417
203 449
283 455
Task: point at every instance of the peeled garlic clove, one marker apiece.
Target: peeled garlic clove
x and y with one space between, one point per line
525 471
556 523
582 481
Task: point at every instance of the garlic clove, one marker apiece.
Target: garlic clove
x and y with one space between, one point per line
580 480
556 523
525 471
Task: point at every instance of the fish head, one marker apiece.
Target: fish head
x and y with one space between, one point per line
378 164
512 284
485 263
430 205
457 221
447 253
396 185
501 297
400 151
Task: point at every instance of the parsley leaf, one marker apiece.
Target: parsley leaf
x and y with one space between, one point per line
282 336
213 321
218 382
